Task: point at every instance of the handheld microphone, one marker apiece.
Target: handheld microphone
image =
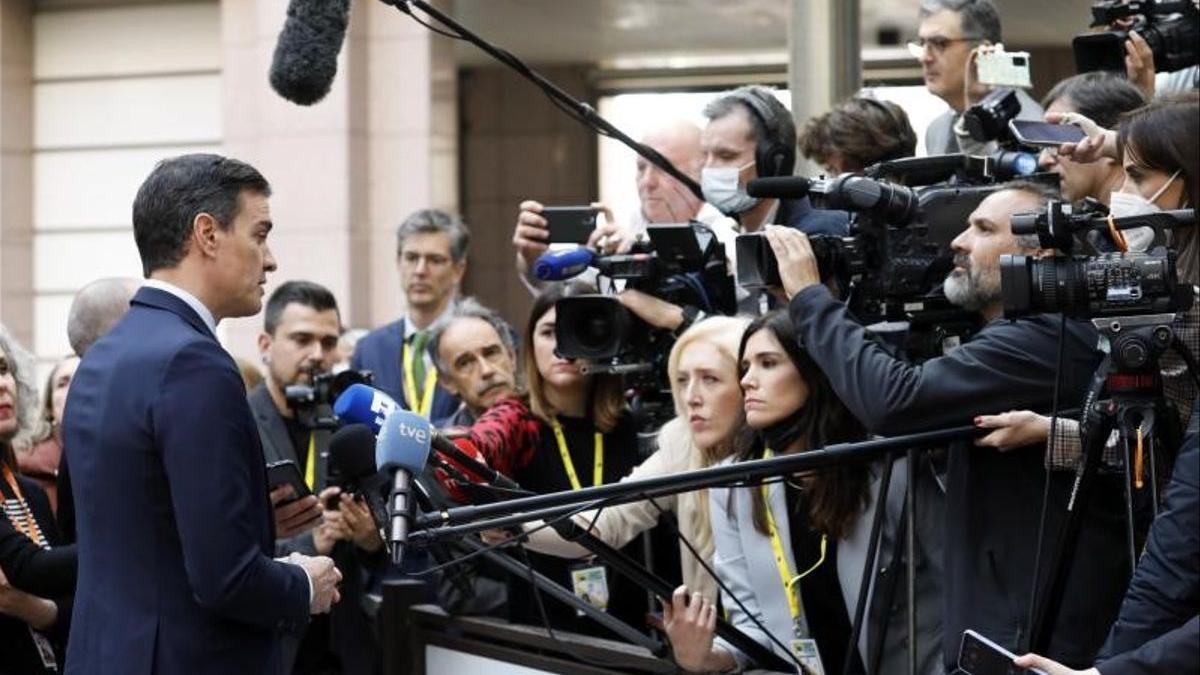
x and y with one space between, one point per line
368 406
778 187
561 265
352 465
403 447
305 60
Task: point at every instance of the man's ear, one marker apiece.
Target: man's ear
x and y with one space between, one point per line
446 384
264 346
204 234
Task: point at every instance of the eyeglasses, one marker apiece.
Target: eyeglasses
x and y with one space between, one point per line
936 45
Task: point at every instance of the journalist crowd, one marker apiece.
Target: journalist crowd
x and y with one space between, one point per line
169 508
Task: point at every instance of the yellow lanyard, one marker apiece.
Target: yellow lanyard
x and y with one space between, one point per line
424 404
598 455
785 571
309 469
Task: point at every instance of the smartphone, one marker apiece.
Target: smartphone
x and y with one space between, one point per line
999 68
285 472
980 656
1032 132
570 224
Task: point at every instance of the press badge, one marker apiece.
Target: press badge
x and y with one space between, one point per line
805 651
591 585
45 651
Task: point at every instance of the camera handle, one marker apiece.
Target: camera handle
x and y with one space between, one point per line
1129 371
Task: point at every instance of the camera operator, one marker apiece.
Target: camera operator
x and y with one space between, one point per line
300 334
949 33
859 132
476 358
1158 629
749 135
1102 97
661 198
1161 154
993 500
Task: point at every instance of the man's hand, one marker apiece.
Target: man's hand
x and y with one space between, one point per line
1139 64
654 311
328 533
1013 429
325 578
1050 667
531 236
297 517
359 524
610 237
1098 143
797 262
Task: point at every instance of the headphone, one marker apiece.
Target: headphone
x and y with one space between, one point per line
772 157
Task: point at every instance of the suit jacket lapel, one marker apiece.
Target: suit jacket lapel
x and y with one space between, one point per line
277 443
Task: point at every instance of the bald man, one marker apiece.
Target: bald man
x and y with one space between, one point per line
662 198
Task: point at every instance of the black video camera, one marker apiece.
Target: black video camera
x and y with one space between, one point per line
1171 29
313 402
1107 284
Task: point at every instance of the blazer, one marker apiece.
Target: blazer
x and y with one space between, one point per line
379 352
744 560
175 529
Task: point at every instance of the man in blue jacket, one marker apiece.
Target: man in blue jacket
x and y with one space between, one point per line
175 529
432 249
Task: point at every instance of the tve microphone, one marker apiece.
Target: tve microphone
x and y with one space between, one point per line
306 55
360 404
778 187
368 406
403 447
560 265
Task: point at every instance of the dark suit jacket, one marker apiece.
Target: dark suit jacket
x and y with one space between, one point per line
353 632
1158 630
993 499
175 531
379 352
800 214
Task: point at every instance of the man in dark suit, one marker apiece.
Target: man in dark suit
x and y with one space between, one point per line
432 250
175 530
300 334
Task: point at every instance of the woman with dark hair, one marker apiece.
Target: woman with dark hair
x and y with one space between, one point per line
857 133
571 430
1159 147
32 625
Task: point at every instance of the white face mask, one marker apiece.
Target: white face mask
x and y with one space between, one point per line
721 189
1124 204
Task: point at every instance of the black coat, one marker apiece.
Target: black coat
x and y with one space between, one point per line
993 499
1158 630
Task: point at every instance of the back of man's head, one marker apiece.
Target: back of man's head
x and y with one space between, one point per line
858 133
980 19
1100 96
307 293
771 124
97 307
178 190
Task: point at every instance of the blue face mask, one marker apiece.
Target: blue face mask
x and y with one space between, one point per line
721 188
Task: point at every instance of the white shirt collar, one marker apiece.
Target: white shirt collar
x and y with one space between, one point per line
192 301
410 328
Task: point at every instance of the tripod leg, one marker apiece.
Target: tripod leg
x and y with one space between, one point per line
864 587
911 545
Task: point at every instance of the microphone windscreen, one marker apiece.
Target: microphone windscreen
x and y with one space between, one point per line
352 452
561 265
361 404
305 60
403 442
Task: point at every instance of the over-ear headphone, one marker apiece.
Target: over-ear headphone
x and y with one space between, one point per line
772 156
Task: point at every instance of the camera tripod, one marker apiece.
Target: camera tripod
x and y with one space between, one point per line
1130 374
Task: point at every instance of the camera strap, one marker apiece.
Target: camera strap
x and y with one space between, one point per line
597 454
